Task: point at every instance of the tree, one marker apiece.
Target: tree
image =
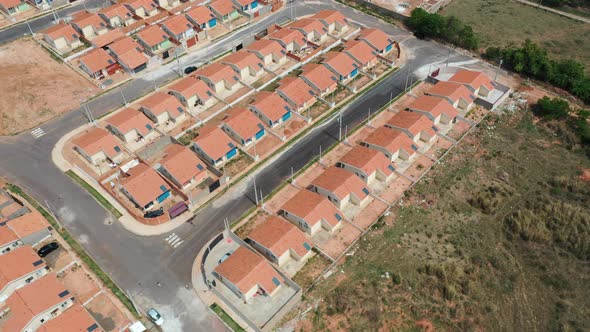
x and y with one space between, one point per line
555 108
581 89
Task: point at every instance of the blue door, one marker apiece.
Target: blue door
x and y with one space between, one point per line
163 197
354 72
286 116
260 134
212 22
231 153
254 4
388 48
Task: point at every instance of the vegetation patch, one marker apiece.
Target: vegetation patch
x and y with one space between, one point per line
97 196
226 318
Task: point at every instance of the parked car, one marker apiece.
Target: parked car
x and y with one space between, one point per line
189 69
154 213
224 257
47 249
155 316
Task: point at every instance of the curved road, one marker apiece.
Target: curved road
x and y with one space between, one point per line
137 263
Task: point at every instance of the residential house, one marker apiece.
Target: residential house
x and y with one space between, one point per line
130 125
97 145
19 268
378 40
98 63
363 55
393 144
31 228
202 17
144 187
155 41
342 65
75 319
247 65
117 15
219 77
191 92
280 241
268 51
168 3
292 40
246 6
14 7
270 108
341 187
29 307
313 30
312 212
296 92
142 8
437 109
247 274
107 38
89 24
182 167
333 20
179 28
214 145
62 37
162 108
8 240
9 207
243 126
129 54
321 79
225 10
417 126
368 164
455 93
477 82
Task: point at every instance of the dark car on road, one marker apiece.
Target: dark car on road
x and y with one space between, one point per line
189 69
47 249
154 213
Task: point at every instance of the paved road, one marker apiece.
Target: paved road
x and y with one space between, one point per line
138 263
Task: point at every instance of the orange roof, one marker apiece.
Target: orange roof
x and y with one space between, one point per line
217 72
148 5
107 38
330 16
19 315
475 79
152 35
62 30
182 163
85 18
245 270
144 184
200 14
266 47
279 236
271 105
360 51
116 10
43 294
340 61
192 86
242 59
214 142
244 2
309 25
391 140
128 52
451 90
97 59
434 105
297 90
28 224
223 7
319 75
6 235
10 3
95 140
376 38
124 45
243 122
413 122
288 36
75 319
341 183
312 208
129 119
161 102
177 24
18 263
367 160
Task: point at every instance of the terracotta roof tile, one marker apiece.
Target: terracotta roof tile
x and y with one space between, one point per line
375 37
116 10
413 122
475 79
129 52
75 319
279 236
367 160
319 75
148 5
177 24
161 102
28 224
340 61
451 90
152 35
97 60
85 18
214 142
217 72
271 105
243 122
6 235
312 208
266 47
242 59
200 14
297 90
95 140
434 105
330 16
360 51
10 3
309 25
288 36
192 86
107 38
43 294
245 270
18 315
341 183
144 184
18 263
129 119
223 7
182 163
60 30
390 139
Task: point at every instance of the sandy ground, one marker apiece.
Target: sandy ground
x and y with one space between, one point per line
35 87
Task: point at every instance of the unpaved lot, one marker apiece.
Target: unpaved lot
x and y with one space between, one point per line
35 87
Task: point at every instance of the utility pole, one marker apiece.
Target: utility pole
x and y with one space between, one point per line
292 177
122 95
369 117
448 56
255 191
320 154
498 69
339 126
30 30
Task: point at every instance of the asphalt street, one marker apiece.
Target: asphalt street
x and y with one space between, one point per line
138 263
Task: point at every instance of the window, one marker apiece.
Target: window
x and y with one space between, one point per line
338 217
306 246
63 294
366 191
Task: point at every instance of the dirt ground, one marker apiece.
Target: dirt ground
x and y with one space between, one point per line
106 314
35 87
79 282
